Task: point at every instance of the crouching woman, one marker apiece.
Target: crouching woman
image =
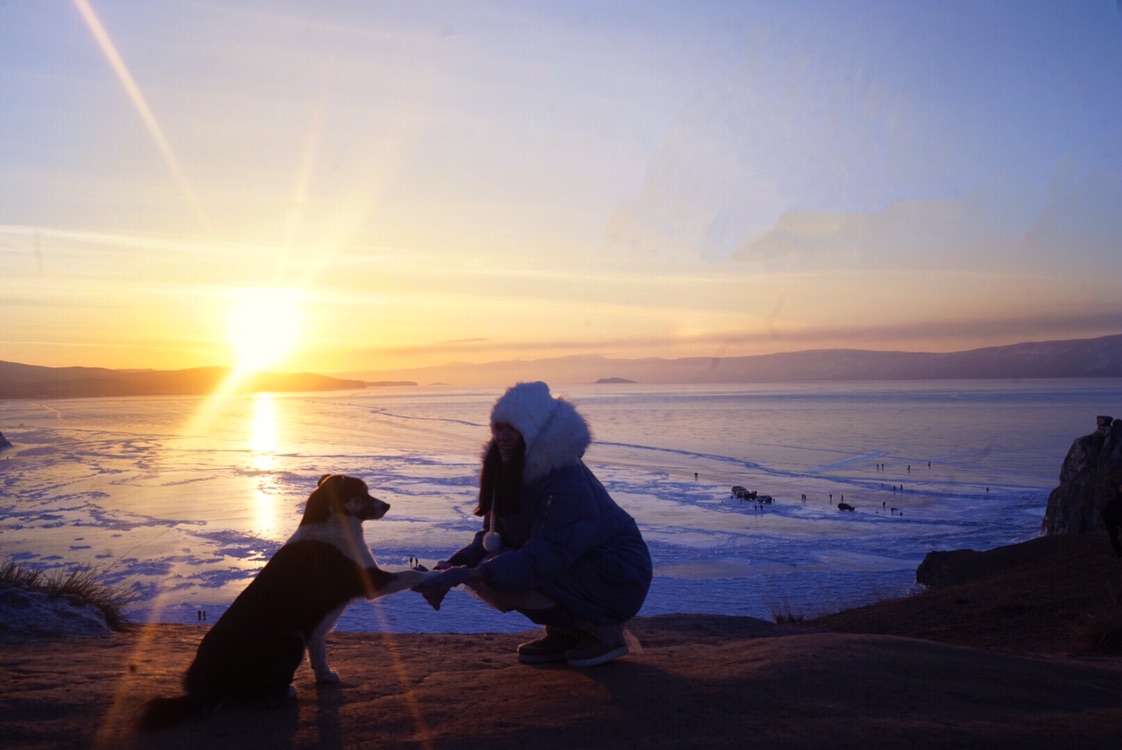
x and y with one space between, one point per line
554 546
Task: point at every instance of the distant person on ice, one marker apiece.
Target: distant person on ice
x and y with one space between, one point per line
554 545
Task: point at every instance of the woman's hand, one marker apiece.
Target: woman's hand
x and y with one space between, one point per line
436 587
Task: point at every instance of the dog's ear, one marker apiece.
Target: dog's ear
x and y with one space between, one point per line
318 508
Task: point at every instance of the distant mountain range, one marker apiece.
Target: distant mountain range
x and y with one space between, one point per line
1081 358
30 381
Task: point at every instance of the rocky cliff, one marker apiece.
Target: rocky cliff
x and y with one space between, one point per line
1089 477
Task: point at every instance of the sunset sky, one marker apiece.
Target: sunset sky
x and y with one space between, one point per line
357 186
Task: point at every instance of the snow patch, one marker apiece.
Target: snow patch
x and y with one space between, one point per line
25 614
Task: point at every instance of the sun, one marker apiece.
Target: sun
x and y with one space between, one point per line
265 325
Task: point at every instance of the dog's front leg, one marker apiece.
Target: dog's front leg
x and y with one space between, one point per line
401 580
317 655
317 648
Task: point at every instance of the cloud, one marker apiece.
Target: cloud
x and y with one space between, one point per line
1082 214
1078 221
797 128
905 235
832 130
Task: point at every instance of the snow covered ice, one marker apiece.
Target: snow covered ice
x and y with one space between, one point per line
185 499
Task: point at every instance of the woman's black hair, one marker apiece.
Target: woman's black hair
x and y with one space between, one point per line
500 481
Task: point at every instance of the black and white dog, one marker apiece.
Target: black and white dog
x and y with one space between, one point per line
252 652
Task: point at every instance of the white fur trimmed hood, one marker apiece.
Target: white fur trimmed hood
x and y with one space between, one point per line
555 433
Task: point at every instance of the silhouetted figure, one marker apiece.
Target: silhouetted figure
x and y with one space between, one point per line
553 544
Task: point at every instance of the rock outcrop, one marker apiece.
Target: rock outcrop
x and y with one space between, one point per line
953 567
1089 477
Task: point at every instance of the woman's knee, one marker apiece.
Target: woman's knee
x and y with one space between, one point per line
505 601
556 616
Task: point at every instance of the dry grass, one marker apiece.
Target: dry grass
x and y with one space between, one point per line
79 583
782 613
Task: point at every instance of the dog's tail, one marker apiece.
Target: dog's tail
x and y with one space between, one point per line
160 713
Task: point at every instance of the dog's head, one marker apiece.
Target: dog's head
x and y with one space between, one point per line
339 496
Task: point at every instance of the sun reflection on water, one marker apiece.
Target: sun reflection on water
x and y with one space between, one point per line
263 435
263 442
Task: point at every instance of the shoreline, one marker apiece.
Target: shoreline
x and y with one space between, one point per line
191 534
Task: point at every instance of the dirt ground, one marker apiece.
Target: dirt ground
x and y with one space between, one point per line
1020 650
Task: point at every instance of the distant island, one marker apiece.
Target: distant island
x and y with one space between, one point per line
1077 358
30 381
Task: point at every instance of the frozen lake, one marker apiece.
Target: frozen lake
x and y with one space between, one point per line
186 498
